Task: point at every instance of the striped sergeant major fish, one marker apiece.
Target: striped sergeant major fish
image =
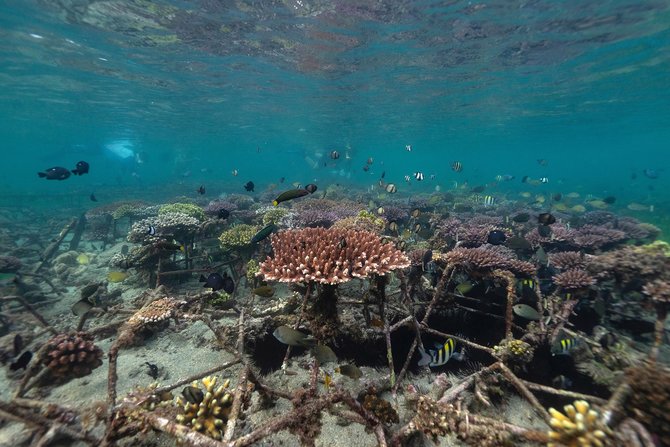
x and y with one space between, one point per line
441 354
489 201
564 346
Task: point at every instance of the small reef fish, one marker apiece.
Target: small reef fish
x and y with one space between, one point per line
223 214
234 172
408 179
504 178
527 312
216 282
408 147
290 195
416 212
264 291
152 370
639 207
465 287
441 355
22 361
418 176
193 394
116 276
324 354
544 180
457 166
263 233
426 259
334 155
561 382
249 186
489 201
496 237
351 371
546 219
55 173
200 190
544 230
609 200
81 307
83 259
541 256
292 337
391 188
92 198
151 231
81 168
564 346
650 173
311 188
393 226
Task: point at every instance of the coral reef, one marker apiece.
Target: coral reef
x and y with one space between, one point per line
274 215
237 237
155 312
574 279
649 400
487 258
580 426
566 260
71 355
216 206
381 408
329 256
189 209
658 290
515 353
168 225
364 221
207 410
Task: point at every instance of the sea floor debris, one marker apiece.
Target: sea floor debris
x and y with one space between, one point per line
218 377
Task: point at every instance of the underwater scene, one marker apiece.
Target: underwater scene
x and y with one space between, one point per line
334 223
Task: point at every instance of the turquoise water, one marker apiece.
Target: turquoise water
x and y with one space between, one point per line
200 88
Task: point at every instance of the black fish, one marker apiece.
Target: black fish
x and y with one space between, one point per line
609 200
546 219
55 173
311 188
479 189
21 362
544 230
201 190
249 186
217 282
81 168
366 168
151 231
383 174
92 197
519 243
496 237
521 218
223 214
262 234
193 394
557 197
281 180
524 179
153 370
425 259
334 155
289 195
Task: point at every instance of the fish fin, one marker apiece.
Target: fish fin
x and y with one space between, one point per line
425 358
202 278
308 342
41 174
459 356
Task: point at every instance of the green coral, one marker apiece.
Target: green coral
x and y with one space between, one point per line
656 247
237 236
125 210
252 269
274 215
219 299
185 208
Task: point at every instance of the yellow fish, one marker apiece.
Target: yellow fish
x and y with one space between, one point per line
599 204
560 207
525 194
327 380
83 259
540 199
578 208
116 276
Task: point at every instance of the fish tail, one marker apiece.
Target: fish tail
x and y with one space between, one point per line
41 174
202 278
425 357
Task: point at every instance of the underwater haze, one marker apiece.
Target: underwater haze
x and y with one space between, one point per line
268 88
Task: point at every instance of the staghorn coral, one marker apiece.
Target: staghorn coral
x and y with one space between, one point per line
10 264
189 209
574 279
566 260
71 355
208 415
329 256
487 258
580 426
237 237
649 400
630 264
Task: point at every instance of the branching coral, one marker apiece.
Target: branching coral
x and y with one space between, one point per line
486 258
658 290
206 410
574 279
72 355
173 225
381 408
514 352
155 312
580 426
364 220
329 256
566 260
650 398
189 209
237 237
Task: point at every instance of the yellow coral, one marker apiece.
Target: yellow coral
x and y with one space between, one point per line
580 426
237 236
655 247
209 415
184 208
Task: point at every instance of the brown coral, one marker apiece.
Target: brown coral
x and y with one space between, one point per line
650 398
329 256
658 290
155 312
574 279
485 258
72 355
567 260
381 408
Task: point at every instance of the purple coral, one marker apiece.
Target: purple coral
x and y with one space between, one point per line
215 206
